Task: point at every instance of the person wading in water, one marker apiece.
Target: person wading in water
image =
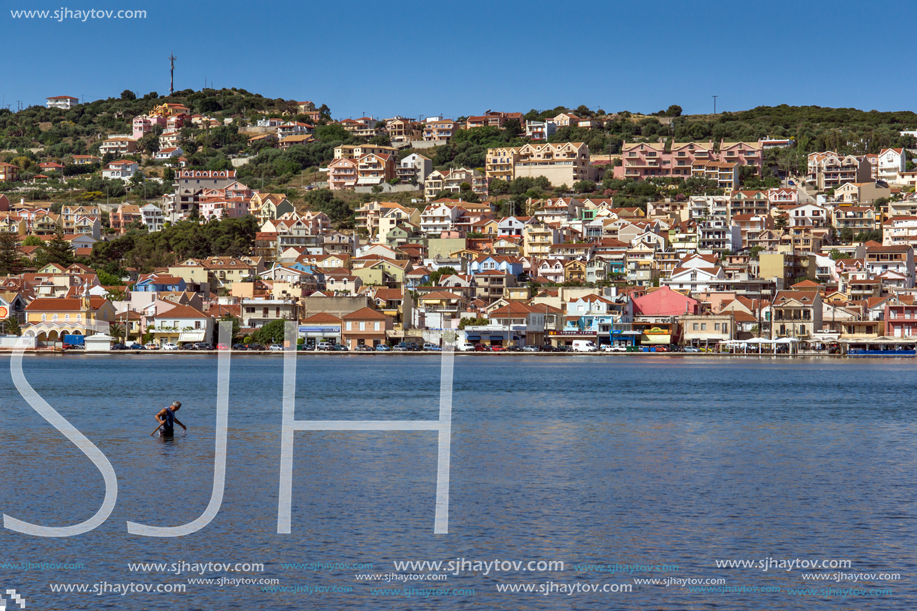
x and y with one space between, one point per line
167 420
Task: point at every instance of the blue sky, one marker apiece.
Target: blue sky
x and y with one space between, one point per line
428 58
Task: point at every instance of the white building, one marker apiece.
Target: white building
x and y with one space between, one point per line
891 163
414 167
64 102
123 170
171 152
152 217
437 218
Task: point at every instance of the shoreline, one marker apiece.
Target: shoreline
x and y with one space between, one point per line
314 353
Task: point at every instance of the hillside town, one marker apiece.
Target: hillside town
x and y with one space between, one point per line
652 244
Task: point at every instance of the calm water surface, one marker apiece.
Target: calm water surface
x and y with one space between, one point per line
587 460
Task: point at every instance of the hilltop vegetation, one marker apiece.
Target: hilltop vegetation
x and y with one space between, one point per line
57 134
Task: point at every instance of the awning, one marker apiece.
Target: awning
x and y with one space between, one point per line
191 336
473 338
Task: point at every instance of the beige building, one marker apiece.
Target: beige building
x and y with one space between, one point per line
829 170
708 329
561 163
120 145
861 192
786 267
538 239
355 151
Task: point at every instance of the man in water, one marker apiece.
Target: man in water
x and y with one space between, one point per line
167 420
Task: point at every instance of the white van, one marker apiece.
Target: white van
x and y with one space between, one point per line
584 345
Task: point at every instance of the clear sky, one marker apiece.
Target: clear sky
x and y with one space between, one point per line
458 58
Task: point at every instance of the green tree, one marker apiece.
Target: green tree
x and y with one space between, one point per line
836 254
780 222
56 250
10 326
436 275
32 240
271 333
673 111
584 186
127 94
755 250
10 257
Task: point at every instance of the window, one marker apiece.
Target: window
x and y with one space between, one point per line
348 326
376 326
716 326
54 318
197 324
44 317
703 326
695 327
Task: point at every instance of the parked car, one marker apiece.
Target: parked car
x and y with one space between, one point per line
222 347
399 348
169 346
690 349
203 346
663 349
255 347
135 346
410 346
326 346
431 347
151 346
74 347
383 348
531 349
119 346
480 348
363 348
612 348
497 348
340 348
239 347
548 348
563 348
275 348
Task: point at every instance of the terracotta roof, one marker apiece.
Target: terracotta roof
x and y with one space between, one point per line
366 314
47 304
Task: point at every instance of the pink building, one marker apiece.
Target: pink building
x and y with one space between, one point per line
900 319
142 125
650 159
342 174
664 302
743 153
222 207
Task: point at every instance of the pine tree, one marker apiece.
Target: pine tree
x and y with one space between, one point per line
57 250
10 257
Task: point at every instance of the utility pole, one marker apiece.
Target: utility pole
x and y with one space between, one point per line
714 103
172 59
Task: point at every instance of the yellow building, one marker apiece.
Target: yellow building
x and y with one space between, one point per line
47 319
561 163
169 110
